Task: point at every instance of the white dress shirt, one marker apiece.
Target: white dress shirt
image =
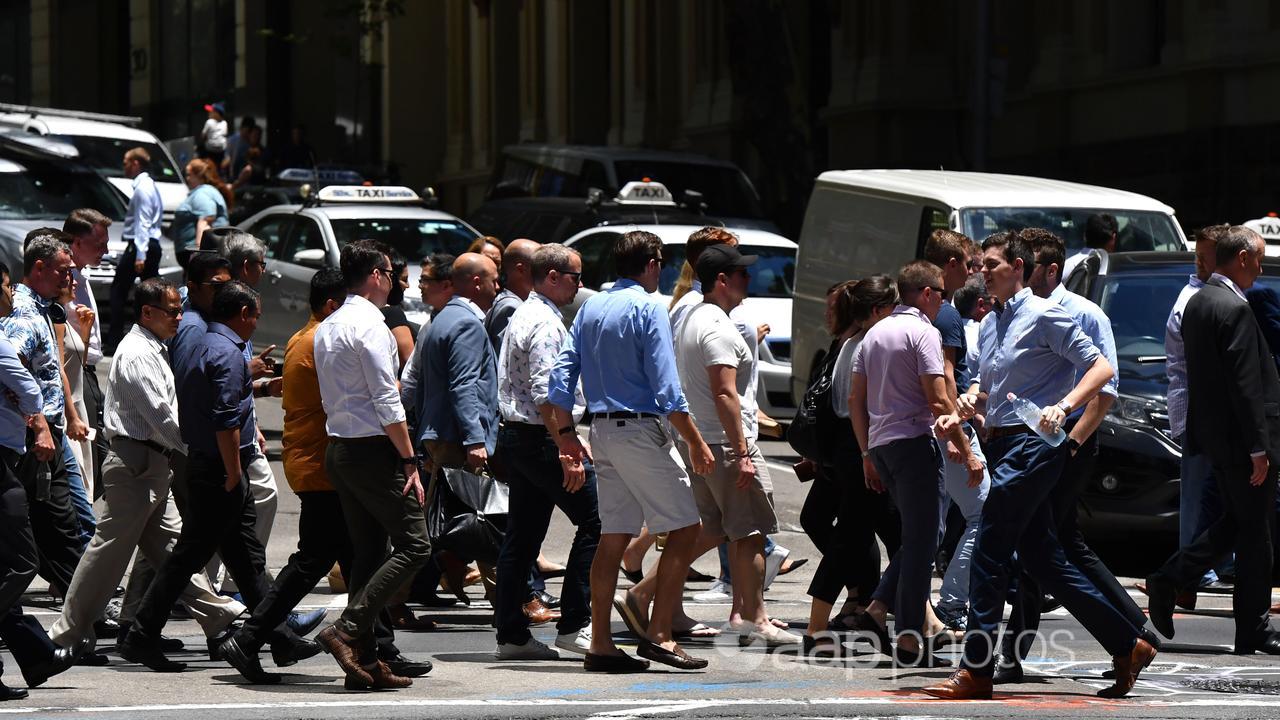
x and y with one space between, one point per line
530 346
356 363
141 400
84 296
146 211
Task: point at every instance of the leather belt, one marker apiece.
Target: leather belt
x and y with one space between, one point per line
1007 431
625 415
151 444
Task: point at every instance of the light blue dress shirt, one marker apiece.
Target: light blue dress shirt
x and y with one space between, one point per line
146 211
1175 363
620 344
1032 348
15 379
1097 326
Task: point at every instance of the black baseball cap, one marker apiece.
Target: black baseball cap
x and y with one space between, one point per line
720 259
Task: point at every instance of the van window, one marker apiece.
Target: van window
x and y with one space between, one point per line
1139 230
725 189
106 156
931 219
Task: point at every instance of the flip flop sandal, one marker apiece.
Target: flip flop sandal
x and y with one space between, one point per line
631 615
700 631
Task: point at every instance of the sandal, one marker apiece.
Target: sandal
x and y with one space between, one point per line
700 631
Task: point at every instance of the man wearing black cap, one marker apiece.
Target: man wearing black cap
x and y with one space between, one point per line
735 499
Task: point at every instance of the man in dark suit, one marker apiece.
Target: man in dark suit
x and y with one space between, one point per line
1233 415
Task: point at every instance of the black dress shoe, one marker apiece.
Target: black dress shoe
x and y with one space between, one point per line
620 663
1269 645
1160 596
1151 637
148 654
61 660
214 644
167 644
1008 671
8 693
923 658
677 658
93 659
407 667
106 627
1217 587
864 623
246 663
286 654
547 599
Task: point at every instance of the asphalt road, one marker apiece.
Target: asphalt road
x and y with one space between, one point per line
1194 678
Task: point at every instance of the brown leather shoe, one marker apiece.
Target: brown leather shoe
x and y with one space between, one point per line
382 679
1128 667
540 614
344 652
962 685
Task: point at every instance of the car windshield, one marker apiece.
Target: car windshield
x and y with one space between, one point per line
413 239
773 275
106 156
1138 230
45 192
725 190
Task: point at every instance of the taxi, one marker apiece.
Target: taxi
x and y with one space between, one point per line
305 237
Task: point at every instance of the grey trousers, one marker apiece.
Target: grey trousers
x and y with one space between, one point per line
367 475
136 511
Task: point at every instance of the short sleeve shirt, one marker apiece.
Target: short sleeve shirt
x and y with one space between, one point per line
708 337
893 356
203 201
951 327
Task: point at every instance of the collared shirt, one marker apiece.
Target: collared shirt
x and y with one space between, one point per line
191 331
499 316
32 336
17 381
1175 363
141 396
146 211
305 439
215 392
356 363
620 344
460 367
893 355
531 344
1031 347
1229 283
84 296
1071 262
1097 326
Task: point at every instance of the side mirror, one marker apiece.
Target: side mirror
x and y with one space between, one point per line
312 258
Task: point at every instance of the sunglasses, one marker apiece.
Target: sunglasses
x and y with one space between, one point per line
171 313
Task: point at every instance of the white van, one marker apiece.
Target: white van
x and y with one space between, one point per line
100 142
862 222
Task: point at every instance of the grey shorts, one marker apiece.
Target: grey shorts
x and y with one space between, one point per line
639 477
727 510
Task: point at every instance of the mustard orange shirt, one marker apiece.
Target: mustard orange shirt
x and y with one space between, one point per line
305 439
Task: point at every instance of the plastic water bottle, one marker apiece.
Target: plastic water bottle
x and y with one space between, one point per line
1029 413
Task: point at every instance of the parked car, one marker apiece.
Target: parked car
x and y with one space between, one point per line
40 186
1134 490
768 296
302 238
862 222
100 142
565 171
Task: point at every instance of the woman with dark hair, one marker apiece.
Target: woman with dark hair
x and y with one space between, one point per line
403 330
840 515
490 247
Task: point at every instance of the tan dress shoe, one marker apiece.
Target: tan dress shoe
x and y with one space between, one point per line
962 685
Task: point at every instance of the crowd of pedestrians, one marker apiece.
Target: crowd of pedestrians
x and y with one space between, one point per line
957 409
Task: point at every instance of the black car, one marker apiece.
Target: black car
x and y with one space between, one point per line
554 219
1134 490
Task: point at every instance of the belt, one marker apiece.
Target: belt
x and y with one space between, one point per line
1007 431
624 415
150 444
517 425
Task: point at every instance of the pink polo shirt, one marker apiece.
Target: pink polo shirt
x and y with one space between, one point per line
893 356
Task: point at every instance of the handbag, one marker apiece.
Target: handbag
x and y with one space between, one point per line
467 513
810 431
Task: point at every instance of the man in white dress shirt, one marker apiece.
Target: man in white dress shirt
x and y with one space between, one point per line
88 230
142 225
370 461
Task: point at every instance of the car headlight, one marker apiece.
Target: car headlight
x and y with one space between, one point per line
1131 411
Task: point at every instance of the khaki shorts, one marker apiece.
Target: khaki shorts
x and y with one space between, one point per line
728 511
639 477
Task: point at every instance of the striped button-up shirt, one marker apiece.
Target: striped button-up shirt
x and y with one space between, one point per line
141 400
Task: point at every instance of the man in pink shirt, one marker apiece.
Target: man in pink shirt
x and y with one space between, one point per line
899 389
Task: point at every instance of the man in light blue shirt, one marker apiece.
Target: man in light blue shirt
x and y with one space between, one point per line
1082 442
621 347
1032 348
142 223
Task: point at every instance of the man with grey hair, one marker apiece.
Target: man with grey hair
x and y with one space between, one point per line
538 481
1232 390
517 283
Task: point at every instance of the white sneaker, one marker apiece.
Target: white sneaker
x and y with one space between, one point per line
719 592
773 563
532 649
579 642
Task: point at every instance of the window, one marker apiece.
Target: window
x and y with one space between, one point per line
306 235
725 190
1139 230
772 276
413 238
106 156
931 219
597 258
39 191
273 230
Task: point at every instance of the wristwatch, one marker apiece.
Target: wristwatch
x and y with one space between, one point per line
1065 407
866 454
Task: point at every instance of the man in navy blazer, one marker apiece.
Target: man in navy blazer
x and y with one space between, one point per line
459 410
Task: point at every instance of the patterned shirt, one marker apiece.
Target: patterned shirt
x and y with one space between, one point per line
141 399
32 336
531 343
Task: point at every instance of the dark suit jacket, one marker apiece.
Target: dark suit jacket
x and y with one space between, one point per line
460 376
1266 309
1233 388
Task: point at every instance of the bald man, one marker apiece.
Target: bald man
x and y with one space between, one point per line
459 418
517 282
